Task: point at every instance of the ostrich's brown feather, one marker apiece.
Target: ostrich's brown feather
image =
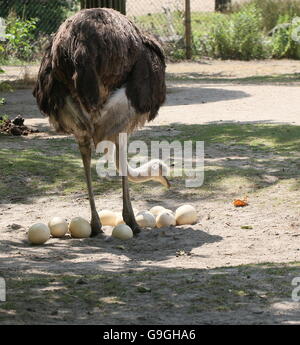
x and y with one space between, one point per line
93 54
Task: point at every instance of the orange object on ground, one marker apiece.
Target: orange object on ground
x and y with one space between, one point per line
240 203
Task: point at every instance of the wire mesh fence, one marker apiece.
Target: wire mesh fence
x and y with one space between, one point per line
30 22
28 25
49 13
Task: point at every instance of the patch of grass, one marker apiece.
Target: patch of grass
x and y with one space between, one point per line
44 167
6 86
261 155
282 79
25 82
263 137
3 118
13 61
54 168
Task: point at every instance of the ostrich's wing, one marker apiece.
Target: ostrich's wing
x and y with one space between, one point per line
146 86
49 93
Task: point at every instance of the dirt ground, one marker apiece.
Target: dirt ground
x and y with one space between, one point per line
234 266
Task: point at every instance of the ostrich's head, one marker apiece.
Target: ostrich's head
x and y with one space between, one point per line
158 171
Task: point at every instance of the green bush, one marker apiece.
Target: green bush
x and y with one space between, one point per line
233 36
272 10
20 37
284 44
51 13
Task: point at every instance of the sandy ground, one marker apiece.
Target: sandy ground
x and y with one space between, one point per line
205 68
188 252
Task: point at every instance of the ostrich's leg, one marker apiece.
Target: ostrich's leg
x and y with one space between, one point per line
85 150
128 214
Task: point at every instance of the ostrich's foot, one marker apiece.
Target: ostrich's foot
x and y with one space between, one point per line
131 222
96 226
135 229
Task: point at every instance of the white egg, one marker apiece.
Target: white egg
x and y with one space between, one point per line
122 232
80 228
156 210
119 219
168 210
145 219
58 227
186 214
107 217
165 219
38 233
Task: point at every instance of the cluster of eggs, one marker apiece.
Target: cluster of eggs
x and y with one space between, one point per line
157 216
40 233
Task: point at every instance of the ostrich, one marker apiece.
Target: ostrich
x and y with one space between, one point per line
101 76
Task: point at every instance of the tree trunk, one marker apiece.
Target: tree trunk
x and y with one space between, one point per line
188 29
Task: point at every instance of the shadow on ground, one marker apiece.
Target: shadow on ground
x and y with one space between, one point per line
198 95
248 294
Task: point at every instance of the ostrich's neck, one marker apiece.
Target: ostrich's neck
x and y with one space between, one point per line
140 174
154 170
137 175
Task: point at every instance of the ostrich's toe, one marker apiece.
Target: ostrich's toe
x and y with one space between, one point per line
135 229
133 225
96 226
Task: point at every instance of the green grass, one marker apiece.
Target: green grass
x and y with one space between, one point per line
256 80
3 118
260 150
6 86
254 137
54 166
17 62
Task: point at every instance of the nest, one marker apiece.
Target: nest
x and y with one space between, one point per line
15 127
